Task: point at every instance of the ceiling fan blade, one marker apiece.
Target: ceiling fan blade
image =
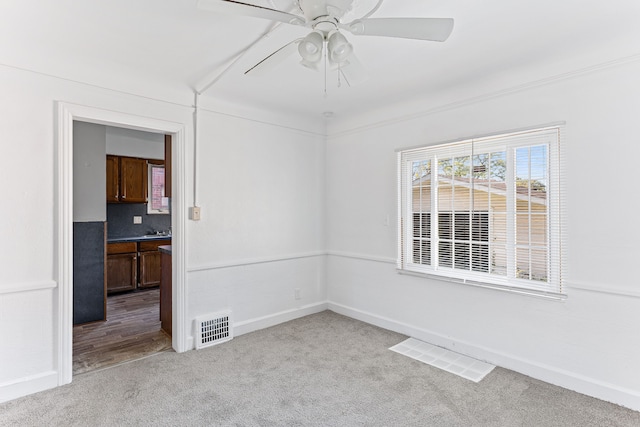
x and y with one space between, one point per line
274 59
353 71
433 29
246 9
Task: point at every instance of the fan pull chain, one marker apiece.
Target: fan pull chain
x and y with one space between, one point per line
339 73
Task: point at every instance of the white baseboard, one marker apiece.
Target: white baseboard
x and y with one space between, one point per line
191 342
246 326
28 385
560 377
250 325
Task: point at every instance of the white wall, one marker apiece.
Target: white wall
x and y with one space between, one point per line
134 143
589 342
89 177
261 235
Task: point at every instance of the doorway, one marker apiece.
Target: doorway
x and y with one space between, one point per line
67 114
117 262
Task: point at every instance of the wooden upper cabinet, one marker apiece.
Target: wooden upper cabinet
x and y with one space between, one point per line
133 180
113 182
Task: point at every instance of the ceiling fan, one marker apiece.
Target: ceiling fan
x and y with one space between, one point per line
326 40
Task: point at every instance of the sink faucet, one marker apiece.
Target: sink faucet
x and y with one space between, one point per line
160 233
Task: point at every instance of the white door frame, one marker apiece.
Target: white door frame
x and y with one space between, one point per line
67 114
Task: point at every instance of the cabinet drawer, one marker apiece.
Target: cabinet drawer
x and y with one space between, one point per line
152 245
121 248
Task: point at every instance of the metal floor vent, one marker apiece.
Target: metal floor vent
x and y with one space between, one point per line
213 329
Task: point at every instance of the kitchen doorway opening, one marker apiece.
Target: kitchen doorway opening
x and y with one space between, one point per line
64 219
117 275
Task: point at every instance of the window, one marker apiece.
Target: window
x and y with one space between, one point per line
485 211
157 204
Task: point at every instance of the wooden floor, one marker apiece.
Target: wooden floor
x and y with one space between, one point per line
132 331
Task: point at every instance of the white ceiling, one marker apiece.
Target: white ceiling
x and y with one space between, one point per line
140 45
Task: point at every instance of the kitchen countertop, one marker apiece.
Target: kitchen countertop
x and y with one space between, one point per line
137 239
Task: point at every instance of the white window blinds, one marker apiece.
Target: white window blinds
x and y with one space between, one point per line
485 211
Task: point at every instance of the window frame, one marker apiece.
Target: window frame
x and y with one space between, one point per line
150 210
509 142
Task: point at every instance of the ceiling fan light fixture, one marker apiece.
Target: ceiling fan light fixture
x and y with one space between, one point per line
324 18
315 66
310 48
339 48
356 27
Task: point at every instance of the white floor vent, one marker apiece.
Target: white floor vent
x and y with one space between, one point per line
456 363
213 329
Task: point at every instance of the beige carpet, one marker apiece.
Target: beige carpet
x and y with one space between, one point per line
321 370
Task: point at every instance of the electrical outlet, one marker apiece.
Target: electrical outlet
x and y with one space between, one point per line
137 219
296 293
194 213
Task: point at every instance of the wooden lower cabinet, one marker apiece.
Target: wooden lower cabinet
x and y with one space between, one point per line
132 265
166 306
122 272
149 264
150 269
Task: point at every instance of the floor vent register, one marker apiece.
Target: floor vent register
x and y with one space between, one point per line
213 329
459 364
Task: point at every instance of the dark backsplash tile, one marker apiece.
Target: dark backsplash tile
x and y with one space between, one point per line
120 220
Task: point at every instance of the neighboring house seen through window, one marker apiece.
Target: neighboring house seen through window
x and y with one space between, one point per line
158 203
485 211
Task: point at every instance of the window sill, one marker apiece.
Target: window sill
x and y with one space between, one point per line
505 288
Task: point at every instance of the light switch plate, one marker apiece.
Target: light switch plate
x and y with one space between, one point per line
137 219
194 213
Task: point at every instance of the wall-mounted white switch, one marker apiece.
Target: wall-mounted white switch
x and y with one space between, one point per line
137 219
296 293
194 213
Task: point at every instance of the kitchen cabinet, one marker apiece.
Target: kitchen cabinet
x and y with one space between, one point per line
113 179
133 180
134 265
149 262
126 179
166 306
122 266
